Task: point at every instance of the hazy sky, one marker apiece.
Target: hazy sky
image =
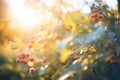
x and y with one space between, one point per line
80 4
18 9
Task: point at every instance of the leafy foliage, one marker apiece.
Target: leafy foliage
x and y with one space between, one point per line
69 45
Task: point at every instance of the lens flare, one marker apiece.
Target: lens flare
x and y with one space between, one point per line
23 14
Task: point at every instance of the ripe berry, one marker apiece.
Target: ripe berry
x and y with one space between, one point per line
21 56
31 41
21 60
94 15
48 32
31 59
94 11
100 16
100 12
95 19
31 70
108 46
27 55
43 60
30 45
25 62
18 60
113 56
73 53
113 61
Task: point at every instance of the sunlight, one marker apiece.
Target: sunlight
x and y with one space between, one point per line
50 3
24 15
111 3
86 9
29 18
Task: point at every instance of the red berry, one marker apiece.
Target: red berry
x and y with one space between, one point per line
31 41
30 45
18 60
113 57
21 60
95 19
100 12
100 16
31 59
21 56
27 55
94 11
73 53
113 61
94 15
108 46
43 60
25 62
48 32
31 70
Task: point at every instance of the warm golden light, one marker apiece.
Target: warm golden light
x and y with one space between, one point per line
23 14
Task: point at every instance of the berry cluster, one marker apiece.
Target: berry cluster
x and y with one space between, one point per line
73 53
24 58
31 41
114 60
35 42
109 46
43 60
96 15
31 70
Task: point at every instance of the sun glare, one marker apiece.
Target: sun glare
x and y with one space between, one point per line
27 17
24 15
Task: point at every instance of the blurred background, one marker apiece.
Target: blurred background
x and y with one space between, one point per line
21 18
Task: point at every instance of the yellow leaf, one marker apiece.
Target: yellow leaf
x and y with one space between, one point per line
17 44
117 16
86 27
72 18
85 61
42 78
36 46
22 74
9 66
13 45
10 60
109 14
66 4
115 9
89 30
86 20
64 55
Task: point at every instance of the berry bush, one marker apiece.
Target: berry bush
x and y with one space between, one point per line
67 44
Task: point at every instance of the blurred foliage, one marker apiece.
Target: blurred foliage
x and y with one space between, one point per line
70 44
